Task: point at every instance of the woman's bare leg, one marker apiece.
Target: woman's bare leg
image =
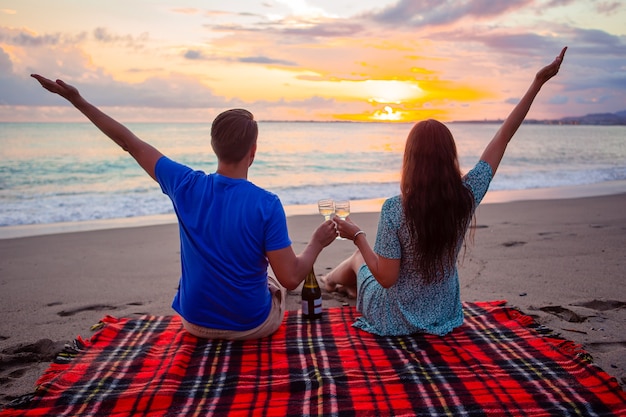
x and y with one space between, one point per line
343 277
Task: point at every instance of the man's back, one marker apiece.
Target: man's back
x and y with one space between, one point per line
226 227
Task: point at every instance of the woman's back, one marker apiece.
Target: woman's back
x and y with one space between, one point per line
412 304
437 204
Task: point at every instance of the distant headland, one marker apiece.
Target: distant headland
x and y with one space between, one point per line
618 118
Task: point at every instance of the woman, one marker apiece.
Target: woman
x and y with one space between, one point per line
409 281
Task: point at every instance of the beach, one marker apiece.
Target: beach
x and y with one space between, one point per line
560 261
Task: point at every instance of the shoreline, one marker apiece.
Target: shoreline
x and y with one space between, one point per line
358 206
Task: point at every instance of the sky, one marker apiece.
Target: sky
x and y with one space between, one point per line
324 60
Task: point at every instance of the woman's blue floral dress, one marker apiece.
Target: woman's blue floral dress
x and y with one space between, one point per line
411 305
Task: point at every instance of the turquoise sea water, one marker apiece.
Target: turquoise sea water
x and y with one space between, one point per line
70 172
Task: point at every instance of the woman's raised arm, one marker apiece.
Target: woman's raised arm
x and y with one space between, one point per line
494 151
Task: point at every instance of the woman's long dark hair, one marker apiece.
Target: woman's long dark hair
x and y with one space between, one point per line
437 206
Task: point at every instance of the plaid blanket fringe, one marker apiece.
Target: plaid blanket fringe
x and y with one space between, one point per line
500 362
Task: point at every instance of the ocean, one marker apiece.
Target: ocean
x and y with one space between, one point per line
59 173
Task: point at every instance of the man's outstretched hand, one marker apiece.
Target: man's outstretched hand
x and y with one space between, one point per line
59 87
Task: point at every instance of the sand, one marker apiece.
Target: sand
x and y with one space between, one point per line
561 261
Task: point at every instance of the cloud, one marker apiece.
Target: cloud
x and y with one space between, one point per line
103 35
324 30
284 29
558 3
198 55
554 100
16 91
193 54
6 66
582 42
558 99
608 8
12 88
421 13
521 44
615 82
28 39
25 38
221 13
597 42
595 100
265 60
314 102
175 91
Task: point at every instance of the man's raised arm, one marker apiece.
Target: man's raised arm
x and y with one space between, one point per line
145 154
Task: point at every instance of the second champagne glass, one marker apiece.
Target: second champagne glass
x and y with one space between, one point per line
342 210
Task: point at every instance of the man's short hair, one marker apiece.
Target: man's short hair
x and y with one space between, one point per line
233 133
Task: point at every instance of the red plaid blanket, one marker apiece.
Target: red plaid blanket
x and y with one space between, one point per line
497 363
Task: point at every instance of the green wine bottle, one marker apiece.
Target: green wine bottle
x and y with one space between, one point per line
311 298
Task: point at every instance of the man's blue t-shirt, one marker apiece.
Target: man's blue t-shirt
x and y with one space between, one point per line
226 227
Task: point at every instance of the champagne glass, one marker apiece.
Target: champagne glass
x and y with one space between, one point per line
342 210
326 208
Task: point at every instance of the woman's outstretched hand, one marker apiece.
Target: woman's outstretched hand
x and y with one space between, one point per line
59 87
551 69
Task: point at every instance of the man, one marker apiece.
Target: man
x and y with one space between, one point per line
230 229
